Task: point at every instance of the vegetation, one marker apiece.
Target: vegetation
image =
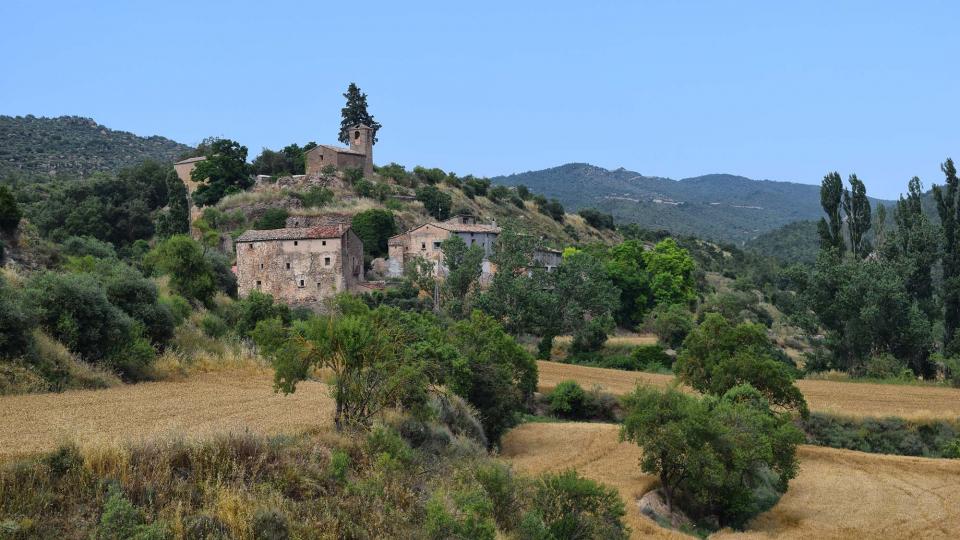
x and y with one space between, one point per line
355 113
224 171
374 227
10 213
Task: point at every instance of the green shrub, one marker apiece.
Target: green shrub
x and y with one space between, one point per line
214 326
10 213
179 307
671 323
931 438
339 466
504 492
273 218
270 525
121 520
192 274
385 441
315 197
887 366
469 517
17 320
572 507
244 314
436 202
205 527
651 358
569 400
374 227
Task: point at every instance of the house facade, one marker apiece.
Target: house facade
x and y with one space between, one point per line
425 240
300 266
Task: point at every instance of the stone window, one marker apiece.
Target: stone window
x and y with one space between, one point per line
326 261
423 246
323 242
436 245
356 134
288 266
250 245
261 266
301 283
258 283
295 243
319 286
321 157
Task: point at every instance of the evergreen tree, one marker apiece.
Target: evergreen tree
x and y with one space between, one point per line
831 227
856 207
355 113
949 210
225 171
176 218
914 245
9 211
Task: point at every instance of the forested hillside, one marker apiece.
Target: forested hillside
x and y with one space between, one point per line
33 146
716 206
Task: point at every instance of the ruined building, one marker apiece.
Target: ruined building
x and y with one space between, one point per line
358 156
184 168
302 265
424 241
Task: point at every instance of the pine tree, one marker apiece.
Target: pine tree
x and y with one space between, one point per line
355 113
949 210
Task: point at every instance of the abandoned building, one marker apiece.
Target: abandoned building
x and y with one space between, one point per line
358 156
184 168
424 241
302 265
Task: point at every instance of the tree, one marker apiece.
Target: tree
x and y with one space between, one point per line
627 268
856 207
355 113
913 245
831 227
374 227
569 506
365 356
16 322
176 219
191 273
436 202
224 172
463 267
272 218
597 219
671 273
671 323
552 208
718 356
290 160
728 459
948 207
10 213
581 293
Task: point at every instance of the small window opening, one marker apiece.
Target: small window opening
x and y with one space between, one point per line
323 242
436 245
296 243
261 266
423 245
301 283
288 266
318 286
356 134
326 261
258 283
249 246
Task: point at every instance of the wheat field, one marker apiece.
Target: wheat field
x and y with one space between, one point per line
841 398
838 493
199 406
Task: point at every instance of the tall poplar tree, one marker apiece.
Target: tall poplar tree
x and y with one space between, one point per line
949 210
354 113
831 227
856 207
914 245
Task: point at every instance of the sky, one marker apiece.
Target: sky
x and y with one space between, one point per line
769 90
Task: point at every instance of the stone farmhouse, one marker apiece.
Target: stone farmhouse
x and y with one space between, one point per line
358 156
301 265
424 241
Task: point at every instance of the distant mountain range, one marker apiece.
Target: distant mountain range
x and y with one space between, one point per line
36 146
715 206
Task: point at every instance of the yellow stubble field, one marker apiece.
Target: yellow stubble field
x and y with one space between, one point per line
838 493
841 398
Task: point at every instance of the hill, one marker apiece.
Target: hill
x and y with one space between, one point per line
75 146
716 206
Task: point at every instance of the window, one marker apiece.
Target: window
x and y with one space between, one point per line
326 261
295 243
436 245
472 241
356 134
258 283
423 246
323 242
250 245
318 286
321 157
301 283
261 266
288 266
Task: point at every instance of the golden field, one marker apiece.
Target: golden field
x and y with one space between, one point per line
201 405
841 398
838 493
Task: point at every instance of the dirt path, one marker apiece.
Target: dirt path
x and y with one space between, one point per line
202 405
848 399
838 494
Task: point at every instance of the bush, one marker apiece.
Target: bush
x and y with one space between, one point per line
374 227
467 515
436 202
552 208
10 213
651 358
932 438
121 520
569 506
569 400
270 525
887 366
244 314
17 321
592 335
315 197
596 219
273 218
192 274
671 323
206 528
214 326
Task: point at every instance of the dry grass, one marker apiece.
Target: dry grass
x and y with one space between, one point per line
204 405
626 340
838 494
847 399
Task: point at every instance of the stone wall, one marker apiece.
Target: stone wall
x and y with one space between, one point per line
299 272
321 156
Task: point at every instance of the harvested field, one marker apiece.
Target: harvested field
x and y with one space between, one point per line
840 398
200 406
838 494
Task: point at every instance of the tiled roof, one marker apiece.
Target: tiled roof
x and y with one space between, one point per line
191 160
293 234
338 149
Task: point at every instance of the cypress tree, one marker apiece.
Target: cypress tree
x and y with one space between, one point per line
831 227
354 113
856 207
949 210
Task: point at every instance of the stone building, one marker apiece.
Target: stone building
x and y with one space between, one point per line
184 168
300 266
358 156
424 241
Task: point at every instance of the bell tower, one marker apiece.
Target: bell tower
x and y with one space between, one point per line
361 140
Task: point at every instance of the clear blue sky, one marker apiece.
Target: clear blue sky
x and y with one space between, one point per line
777 90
